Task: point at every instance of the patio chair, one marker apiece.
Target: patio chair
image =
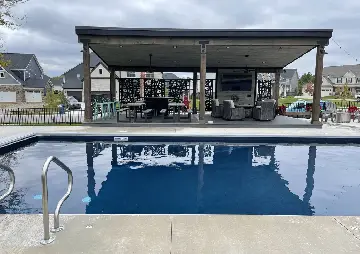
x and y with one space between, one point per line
231 112
265 110
328 112
217 109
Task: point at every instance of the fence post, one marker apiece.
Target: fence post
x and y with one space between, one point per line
18 115
44 115
70 116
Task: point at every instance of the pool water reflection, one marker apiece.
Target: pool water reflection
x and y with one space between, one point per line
189 179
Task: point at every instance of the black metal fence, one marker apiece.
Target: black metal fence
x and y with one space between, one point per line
41 116
339 105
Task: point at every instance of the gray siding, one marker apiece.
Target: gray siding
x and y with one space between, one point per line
294 82
8 80
33 69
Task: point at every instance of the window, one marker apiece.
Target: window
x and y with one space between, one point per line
149 75
349 80
130 74
100 71
357 80
339 80
2 74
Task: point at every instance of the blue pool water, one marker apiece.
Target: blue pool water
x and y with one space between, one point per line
188 179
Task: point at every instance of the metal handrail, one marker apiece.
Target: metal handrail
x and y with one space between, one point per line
47 238
12 181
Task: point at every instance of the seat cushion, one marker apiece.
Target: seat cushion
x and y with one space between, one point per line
232 105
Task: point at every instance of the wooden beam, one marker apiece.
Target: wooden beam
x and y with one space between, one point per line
317 86
87 83
277 88
116 40
112 85
209 69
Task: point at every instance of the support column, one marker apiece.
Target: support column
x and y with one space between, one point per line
277 88
317 86
194 109
112 85
202 79
87 83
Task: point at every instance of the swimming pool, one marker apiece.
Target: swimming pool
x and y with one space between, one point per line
132 178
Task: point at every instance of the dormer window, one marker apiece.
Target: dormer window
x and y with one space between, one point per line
339 80
100 71
2 74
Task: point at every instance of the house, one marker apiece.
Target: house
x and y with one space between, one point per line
169 75
327 88
289 80
338 76
23 79
71 82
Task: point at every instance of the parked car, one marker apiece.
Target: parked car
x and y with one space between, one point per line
73 103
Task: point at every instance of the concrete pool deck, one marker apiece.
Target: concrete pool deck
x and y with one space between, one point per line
188 234
181 233
8 133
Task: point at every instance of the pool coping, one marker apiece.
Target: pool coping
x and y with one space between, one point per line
207 125
121 138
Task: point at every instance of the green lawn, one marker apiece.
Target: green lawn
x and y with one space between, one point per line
291 99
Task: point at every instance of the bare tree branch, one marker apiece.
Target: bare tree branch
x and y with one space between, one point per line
9 20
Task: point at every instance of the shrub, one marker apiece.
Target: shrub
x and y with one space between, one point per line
53 100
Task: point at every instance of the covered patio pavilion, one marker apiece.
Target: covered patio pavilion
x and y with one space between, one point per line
202 50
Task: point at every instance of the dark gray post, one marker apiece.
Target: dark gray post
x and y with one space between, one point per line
87 83
112 85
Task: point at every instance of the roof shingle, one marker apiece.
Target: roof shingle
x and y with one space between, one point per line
74 76
339 71
17 61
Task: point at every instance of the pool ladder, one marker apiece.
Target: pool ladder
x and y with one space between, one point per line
12 181
45 206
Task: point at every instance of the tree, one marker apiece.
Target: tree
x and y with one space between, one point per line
338 91
346 93
8 20
53 100
309 89
306 78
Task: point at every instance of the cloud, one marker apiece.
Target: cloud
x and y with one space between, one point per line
49 28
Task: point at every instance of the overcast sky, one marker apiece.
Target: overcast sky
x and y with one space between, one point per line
49 28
